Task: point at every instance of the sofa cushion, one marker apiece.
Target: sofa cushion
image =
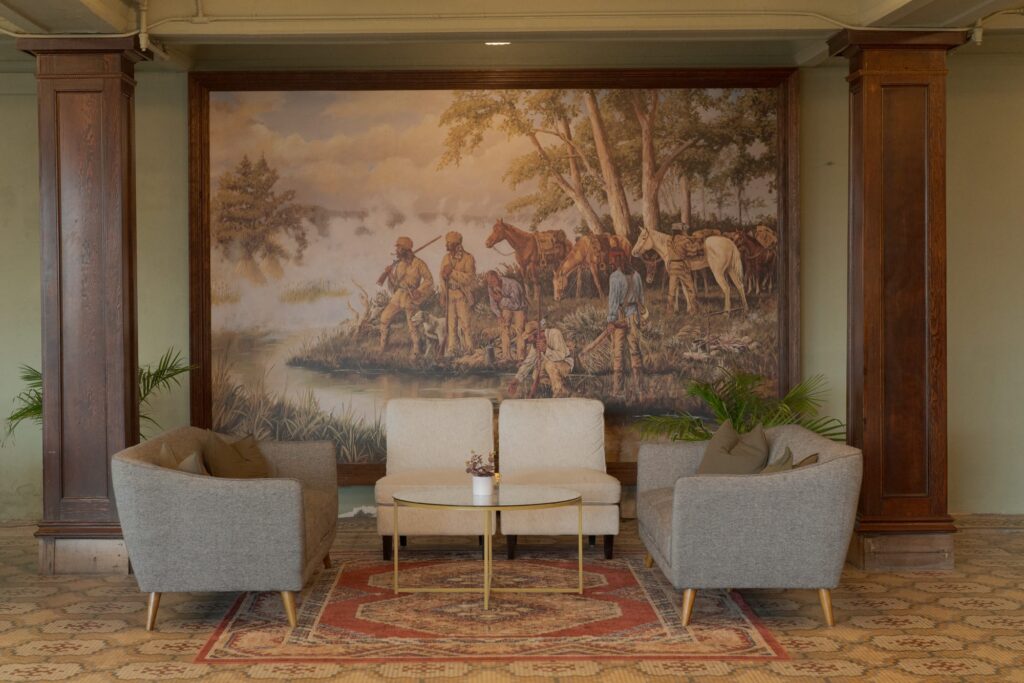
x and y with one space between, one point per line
317 507
239 460
732 453
785 463
654 514
541 432
597 488
387 486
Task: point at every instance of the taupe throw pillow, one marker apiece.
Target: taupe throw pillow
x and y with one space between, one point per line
193 464
166 457
239 460
731 453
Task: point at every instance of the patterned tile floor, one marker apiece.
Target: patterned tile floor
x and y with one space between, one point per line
963 625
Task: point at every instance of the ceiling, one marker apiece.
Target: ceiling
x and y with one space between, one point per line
268 34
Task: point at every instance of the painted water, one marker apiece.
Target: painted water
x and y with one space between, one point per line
262 357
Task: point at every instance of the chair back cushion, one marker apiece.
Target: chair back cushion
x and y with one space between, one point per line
425 433
551 433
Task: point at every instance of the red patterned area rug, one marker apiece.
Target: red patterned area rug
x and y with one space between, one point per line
350 615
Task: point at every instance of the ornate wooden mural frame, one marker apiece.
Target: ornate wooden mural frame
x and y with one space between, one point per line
201 84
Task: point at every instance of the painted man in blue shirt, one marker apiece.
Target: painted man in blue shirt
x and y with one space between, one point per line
625 299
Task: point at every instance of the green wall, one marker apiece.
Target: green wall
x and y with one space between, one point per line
985 248
986 104
20 458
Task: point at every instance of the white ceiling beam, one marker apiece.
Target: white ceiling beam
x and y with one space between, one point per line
119 16
14 20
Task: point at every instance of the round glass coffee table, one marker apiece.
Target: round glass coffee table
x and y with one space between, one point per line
506 497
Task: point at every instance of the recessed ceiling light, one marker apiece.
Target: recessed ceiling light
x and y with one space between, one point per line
493 43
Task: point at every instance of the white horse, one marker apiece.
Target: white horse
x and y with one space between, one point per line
720 255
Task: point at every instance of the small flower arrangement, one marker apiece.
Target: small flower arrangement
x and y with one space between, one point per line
478 467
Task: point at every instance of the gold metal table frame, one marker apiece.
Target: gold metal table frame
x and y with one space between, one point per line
488 509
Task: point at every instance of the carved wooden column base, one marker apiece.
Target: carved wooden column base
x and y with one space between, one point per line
901 552
89 548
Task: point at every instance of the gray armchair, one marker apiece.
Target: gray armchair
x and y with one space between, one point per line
788 529
189 532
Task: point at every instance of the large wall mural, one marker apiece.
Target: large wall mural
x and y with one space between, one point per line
604 243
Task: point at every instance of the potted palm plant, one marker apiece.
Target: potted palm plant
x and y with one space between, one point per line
741 398
153 378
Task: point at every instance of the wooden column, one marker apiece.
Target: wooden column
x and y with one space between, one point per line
87 201
896 381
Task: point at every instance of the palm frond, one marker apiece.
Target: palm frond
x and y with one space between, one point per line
165 373
740 398
681 427
152 379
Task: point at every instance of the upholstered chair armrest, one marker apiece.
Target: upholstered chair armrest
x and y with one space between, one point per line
660 464
782 530
187 532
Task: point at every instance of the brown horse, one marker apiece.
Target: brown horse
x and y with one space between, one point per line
591 252
758 262
533 250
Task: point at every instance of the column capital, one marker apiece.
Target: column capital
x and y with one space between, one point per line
129 45
848 42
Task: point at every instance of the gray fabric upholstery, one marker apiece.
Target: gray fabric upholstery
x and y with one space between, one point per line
788 529
189 532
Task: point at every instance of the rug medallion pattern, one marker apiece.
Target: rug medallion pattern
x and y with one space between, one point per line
351 615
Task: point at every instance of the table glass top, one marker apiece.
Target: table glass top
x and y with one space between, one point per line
506 496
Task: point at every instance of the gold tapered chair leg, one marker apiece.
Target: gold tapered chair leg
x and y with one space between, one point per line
154 605
327 561
648 561
825 595
289 607
689 595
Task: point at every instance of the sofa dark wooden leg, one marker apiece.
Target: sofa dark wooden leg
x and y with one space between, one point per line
510 546
386 542
609 545
403 541
591 541
480 539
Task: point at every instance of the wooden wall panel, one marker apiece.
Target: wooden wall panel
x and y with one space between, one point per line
904 279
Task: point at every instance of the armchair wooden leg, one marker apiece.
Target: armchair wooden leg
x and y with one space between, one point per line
648 561
510 546
689 595
609 545
288 598
591 541
154 605
327 561
403 541
825 596
385 545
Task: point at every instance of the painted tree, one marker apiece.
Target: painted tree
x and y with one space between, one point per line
749 120
666 134
251 221
571 158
